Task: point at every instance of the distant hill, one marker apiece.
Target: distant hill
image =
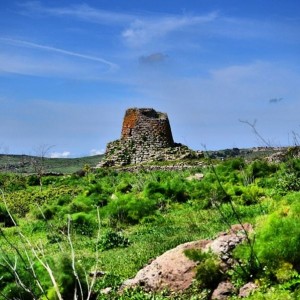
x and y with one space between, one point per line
24 163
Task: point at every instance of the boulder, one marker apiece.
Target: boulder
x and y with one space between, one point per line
247 289
175 272
172 270
223 291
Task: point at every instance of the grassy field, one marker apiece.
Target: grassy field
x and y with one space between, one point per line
23 163
115 222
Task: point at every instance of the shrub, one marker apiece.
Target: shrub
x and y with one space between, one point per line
48 211
128 208
251 194
54 237
276 247
272 294
112 239
10 182
5 218
236 164
278 236
288 182
83 223
208 272
62 271
81 204
33 180
261 168
67 280
19 202
174 190
99 193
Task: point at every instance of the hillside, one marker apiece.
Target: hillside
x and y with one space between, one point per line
109 224
24 163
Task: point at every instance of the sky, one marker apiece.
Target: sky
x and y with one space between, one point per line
70 69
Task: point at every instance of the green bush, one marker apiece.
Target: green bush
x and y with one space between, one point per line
275 254
67 280
81 204
208 271
261 168
49 211
20 202
112 239
288 182
278 236
251 194
272 294
99 193
5 218
128 208
33 180
83 223
174 190
54 237
10 182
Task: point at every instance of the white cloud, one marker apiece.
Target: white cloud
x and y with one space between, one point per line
140 28
57 50
83 11
143 30
63 154
96 152
15 61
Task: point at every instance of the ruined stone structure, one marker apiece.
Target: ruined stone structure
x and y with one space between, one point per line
146 125
146 136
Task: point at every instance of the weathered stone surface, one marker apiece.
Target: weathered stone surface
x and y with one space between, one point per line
223 291
175 272
172 270
146 136
247 289
146 124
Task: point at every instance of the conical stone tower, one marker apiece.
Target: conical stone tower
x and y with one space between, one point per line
145 126
146 136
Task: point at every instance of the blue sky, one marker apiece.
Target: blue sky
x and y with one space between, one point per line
70 69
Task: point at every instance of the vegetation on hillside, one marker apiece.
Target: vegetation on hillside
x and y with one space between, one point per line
25 164
90 230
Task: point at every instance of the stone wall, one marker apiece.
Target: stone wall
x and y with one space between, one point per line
146 136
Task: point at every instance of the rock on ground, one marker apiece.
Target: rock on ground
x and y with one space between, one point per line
172 270
247 289
223 291
175 272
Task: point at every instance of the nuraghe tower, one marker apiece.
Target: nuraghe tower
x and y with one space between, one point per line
146 136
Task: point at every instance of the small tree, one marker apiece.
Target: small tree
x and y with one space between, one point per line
38 162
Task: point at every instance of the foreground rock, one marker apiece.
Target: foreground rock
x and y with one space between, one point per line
223 291
247 289
175 272
172 270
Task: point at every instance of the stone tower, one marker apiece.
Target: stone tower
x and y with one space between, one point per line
147 125
146 136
